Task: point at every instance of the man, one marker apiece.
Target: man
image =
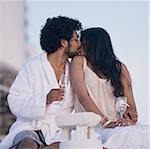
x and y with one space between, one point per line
35 97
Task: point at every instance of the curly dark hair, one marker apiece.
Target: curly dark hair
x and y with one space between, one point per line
55 29
99 53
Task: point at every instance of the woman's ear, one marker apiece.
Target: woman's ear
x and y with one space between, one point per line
64 43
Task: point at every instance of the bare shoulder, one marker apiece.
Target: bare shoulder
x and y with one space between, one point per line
77 60
76 70
124 69
125 74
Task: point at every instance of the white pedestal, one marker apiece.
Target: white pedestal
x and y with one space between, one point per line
81 144
83 125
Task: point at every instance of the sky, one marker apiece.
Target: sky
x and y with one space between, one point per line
125 21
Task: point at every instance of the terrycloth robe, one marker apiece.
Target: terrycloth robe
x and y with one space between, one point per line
27 100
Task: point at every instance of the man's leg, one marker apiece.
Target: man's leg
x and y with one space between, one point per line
27 143
52 146
27 139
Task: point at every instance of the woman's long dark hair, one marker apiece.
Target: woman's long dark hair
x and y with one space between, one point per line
99 53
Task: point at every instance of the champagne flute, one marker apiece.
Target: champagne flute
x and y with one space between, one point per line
62 83
121 106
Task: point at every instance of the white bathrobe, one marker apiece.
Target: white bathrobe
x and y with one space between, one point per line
27 100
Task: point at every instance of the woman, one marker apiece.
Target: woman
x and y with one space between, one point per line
99 80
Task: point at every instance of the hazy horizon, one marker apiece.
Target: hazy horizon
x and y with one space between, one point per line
127 24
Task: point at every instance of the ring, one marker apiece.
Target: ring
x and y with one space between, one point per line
129 124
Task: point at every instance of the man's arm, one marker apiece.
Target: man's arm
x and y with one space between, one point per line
22 100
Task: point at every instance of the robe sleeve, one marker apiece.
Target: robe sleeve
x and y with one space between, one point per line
22 100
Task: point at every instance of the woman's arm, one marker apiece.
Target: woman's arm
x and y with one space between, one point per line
78 83
131 111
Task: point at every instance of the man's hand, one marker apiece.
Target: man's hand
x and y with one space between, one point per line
131 114
55 95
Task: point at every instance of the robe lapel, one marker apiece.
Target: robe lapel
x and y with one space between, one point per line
49 71
67 71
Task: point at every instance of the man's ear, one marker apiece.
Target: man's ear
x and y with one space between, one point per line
64 43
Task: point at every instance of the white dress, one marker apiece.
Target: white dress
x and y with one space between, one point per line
129 137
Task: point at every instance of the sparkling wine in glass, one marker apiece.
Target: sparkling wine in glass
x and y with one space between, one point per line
121 106
62 81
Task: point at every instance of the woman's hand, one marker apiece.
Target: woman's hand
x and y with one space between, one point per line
121 122
111 125
131 114
105 123
124 122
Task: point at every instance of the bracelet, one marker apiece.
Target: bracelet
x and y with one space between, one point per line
103 119
106 123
